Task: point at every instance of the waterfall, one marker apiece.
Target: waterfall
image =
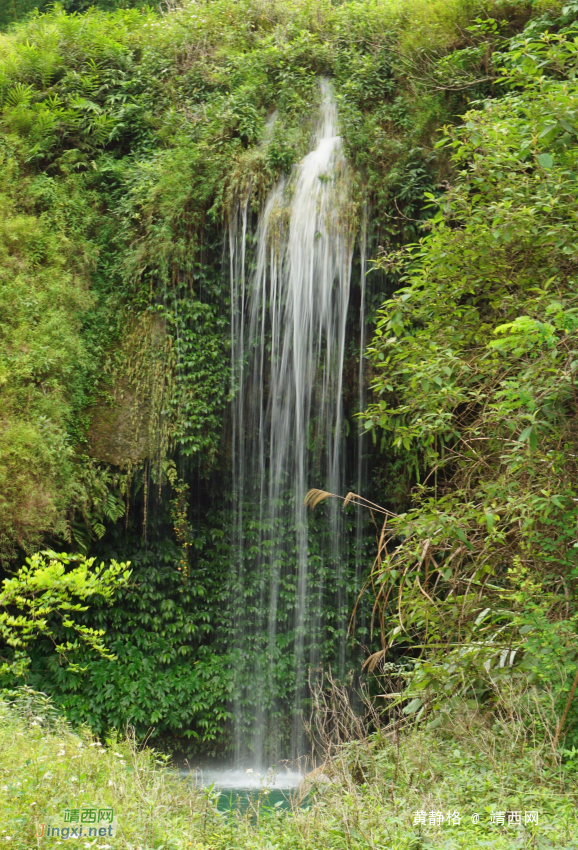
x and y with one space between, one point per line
288 329
361 464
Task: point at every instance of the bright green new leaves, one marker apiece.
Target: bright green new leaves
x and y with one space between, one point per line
45 597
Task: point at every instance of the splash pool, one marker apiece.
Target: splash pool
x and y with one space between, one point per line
244 787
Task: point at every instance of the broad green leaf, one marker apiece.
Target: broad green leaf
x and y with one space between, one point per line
545 160
413 706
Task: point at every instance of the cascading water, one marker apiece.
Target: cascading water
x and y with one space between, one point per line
288 344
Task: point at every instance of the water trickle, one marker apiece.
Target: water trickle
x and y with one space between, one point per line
288 344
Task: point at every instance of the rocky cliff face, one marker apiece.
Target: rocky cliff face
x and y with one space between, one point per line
130 423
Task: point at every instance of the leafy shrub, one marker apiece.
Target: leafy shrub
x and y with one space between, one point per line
161 674
475 359
44 590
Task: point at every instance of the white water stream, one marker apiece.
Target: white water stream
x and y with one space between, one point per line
282 779
288 344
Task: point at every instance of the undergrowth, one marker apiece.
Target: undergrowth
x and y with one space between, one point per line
366 796
475 360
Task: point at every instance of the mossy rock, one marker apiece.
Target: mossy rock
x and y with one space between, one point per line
128 423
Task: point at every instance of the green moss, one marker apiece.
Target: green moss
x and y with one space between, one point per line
43 296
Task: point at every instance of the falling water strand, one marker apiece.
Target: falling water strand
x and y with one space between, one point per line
361 433
288 345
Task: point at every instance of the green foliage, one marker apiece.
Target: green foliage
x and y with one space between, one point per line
43 295
43 590
469 765
129 137
125 137
475 361
14 11
402 70
164 671
202 379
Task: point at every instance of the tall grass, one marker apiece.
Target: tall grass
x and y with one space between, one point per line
365 796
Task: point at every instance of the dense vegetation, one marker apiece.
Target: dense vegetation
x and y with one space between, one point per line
128 137
475 361
474 766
